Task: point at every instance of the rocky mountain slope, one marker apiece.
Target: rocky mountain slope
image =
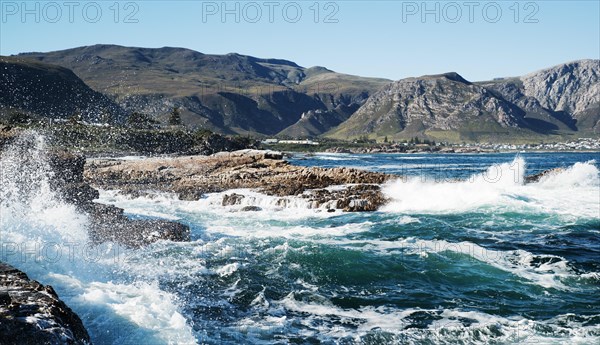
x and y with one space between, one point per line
41 89
237 94
439 103
559 100
569 92
228 93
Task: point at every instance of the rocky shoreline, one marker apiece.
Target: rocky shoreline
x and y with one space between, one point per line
107 223
400 148
32 313
190 177
76 180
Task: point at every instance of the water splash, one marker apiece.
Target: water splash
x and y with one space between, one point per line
31 212
47 238
573 191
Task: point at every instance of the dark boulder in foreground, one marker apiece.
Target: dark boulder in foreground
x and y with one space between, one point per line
32 313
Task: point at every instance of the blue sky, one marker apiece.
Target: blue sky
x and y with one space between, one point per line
390 39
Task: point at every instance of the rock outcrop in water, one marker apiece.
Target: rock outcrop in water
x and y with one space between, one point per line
192 176
107 222
64 172
544 174
32 313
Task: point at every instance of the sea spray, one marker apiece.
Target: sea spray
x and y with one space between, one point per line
580 174
47 238
31 212
572 191
299 274
516 265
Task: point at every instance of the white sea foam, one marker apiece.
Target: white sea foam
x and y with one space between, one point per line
573 192
438 166
340 155
130 313
334 158
228 269
47 238
448 326
260 230
166 205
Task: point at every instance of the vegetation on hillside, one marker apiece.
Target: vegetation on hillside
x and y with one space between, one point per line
144 137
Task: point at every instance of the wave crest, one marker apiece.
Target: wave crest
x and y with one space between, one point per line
571 191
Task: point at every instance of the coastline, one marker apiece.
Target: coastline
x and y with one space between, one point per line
32 313
191 177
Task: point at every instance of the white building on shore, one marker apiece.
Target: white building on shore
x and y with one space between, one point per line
290 142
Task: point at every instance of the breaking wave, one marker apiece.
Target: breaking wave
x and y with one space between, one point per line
571 191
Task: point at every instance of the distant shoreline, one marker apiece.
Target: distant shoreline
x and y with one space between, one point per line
473 152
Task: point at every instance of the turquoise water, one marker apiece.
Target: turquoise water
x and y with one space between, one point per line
463 253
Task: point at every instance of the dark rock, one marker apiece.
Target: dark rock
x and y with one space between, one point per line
7 134
537 177
273 155
68 167
108 223
293 188
251 153
189 194
80 194
251 209
67 178
232 199
32 313
354 198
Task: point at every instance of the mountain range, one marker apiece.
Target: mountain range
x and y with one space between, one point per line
559 100
226 93
238 94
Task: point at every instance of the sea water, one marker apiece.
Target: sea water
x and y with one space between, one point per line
464 252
